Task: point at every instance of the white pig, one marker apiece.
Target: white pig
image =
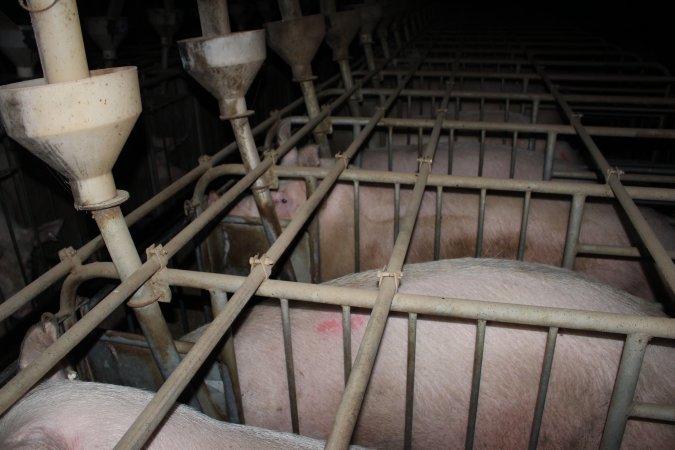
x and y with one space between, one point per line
546 230
72 415
584 366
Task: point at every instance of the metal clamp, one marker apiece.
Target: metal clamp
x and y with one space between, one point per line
381 274
613 171
271 153
69 253
343 157
264 261
424 160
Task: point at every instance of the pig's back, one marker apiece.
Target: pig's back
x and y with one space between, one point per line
84 415
581 382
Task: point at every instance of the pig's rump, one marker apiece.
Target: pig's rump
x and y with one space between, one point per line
581 383
83 415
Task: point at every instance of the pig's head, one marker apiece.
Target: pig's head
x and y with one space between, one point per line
11 279
38 338
291 193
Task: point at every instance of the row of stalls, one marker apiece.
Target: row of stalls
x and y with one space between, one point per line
357 137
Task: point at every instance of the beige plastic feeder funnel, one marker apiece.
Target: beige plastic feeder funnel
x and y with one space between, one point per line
77 127
225 66
296 41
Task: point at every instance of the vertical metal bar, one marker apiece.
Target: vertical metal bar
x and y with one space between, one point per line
357 229
438 222
419 142
543 386
347 341
533 119
481 223
410 380
314 235
451 148
481 108
390 149
624 390
397 208
514 155
573 230
475 383
228 357
523 225
548 156
481 156
290 371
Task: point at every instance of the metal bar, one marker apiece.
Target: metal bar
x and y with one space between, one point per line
357 228
664 265
290 371
522 239
543 386
152 415
228 357
573 230
624 390
346 341
438 222
481 223
653 412
548 155
426 305
410 380
475 383
397 208
352 398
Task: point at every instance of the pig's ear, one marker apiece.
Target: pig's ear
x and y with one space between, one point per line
308 156
38 338
284 132
290 158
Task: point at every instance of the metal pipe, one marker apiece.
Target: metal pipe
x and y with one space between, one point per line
214 17
410 380
624 390
653 412
59 40
261 193
352 398
228 357
563 318
290 9
313 110
481 223
154 412
543 386
475 382
123 253
346 342
664 265
522 239
290 370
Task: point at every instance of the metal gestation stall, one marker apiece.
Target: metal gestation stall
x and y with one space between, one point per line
414 83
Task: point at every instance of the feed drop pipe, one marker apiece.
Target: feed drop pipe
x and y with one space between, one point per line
225 64
664 264
103 107
296 38
74 257
342 29
153 414
350 405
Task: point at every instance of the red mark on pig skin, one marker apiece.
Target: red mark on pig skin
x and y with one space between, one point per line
333 327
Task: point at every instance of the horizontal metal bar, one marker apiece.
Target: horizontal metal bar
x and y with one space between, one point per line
444 307
653 412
